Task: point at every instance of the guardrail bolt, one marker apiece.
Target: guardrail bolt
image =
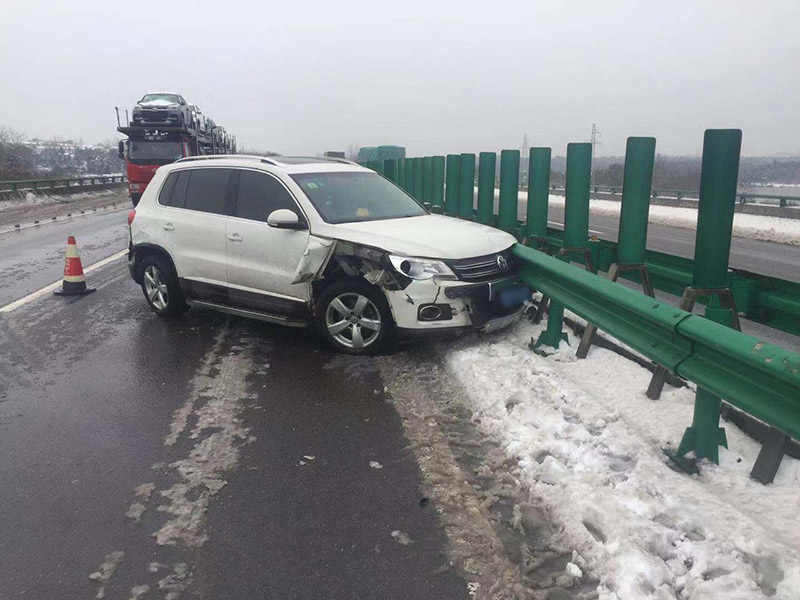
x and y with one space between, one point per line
509 190
466 188
487 163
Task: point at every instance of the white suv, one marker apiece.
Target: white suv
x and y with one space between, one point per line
302 241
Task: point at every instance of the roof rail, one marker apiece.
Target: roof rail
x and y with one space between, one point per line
322 159
221 156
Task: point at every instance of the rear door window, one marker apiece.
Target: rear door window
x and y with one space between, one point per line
208 190
165 195
259 194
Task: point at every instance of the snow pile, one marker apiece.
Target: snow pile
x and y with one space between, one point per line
589 444
755 227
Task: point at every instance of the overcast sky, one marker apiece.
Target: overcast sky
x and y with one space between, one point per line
436 77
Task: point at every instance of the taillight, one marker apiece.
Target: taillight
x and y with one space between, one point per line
131 215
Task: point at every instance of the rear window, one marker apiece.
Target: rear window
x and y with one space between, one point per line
207 190
349 197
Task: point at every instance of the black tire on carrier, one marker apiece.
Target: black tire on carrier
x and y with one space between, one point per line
161 288
135 199
354 317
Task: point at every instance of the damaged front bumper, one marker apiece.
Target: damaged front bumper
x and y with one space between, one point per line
441 307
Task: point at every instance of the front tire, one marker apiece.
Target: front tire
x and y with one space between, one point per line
354 318
161 288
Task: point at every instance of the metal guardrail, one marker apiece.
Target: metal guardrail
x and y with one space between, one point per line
767 300
762 379
759 378
63 182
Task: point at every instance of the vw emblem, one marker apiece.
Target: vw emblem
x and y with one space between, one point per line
502 263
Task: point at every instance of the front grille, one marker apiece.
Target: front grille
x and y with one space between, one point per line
482 268
155 115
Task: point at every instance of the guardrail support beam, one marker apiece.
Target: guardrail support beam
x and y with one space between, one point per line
636 191
718 178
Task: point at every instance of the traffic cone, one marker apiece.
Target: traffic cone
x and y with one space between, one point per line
74 282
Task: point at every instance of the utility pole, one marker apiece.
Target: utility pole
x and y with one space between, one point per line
596 141
524 151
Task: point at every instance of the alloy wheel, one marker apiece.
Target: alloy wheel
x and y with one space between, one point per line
353 320
155 288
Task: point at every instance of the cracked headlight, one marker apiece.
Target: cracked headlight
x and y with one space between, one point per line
421 268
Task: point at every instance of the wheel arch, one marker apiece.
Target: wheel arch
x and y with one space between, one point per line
139 252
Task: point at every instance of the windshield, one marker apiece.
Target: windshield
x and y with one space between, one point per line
172 98
353 197
154 151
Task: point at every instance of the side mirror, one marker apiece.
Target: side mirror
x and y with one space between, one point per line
284 218
121 150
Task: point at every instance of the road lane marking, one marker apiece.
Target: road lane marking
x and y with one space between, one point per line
562 225
54 286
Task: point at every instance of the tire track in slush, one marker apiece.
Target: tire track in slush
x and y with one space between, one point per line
208 431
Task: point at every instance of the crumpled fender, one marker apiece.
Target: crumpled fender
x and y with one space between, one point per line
315 258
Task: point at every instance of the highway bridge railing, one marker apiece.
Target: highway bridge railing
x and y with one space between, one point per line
742 197
759 378
59 184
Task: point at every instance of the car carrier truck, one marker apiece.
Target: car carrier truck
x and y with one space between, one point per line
149 147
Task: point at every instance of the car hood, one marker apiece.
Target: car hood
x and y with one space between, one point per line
427 236
158 103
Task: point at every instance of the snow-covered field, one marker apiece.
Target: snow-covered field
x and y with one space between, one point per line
30 199
588 444
756 227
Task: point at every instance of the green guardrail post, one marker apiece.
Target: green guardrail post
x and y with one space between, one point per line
427 179
718 177
390 169
576 208
466 187
538 193
487 163
401 173
636 187
437 193
509 190
409 172
418 175
452 176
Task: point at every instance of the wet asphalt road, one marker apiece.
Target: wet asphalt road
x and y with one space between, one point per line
274 456
34 257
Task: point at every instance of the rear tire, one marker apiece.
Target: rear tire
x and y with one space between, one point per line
161 288
353 317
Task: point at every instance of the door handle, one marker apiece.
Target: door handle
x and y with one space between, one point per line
168 226
235 237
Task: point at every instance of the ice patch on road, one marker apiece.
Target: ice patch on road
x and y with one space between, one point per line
588 444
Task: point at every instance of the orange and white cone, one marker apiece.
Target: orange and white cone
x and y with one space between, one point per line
74 282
